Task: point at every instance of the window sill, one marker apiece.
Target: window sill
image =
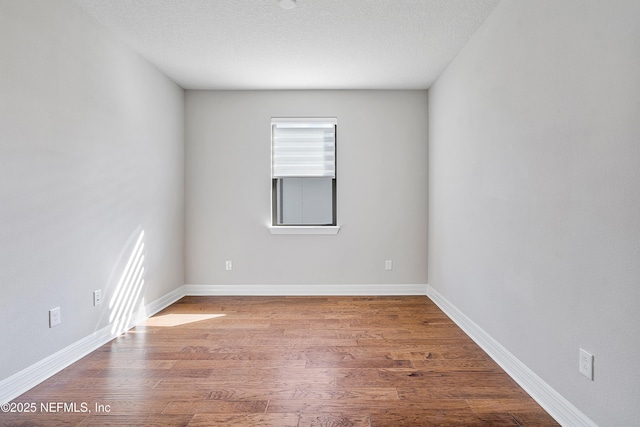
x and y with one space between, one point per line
304 229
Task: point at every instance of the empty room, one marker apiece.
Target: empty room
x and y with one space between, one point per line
319 212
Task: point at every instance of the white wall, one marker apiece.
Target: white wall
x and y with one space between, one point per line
382 189
534 193
91 154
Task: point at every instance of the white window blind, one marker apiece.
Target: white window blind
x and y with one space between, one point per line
303 148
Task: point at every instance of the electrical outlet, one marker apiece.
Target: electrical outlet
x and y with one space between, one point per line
54 317
97 297
586 364
229 265
388 265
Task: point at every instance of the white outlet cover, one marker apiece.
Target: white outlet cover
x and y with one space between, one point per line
586 364
388 265
229 265
97 297
54 317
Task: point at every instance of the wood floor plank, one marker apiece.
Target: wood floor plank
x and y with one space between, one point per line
363 364
511 405
133 421
334 420
41 419
288 362
352 394
395 419
431 407
218 364
244 420
457 391
237 394
206 406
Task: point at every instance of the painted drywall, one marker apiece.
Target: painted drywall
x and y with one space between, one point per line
91 155
534 201
381 189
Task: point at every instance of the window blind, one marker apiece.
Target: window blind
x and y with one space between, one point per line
303 148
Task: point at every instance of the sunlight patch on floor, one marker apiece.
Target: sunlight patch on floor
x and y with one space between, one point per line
168 320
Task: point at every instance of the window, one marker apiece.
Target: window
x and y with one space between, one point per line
303 173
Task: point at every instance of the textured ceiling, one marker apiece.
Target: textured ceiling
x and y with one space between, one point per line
319 44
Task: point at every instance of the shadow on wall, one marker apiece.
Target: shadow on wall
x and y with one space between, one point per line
126 300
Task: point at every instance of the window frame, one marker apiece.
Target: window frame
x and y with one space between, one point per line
276 207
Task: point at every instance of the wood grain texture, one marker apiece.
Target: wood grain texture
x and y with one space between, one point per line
288 361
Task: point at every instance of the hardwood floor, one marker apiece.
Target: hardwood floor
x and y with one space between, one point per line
286 361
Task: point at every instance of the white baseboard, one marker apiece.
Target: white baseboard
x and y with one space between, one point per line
552 402
22 381
306 290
